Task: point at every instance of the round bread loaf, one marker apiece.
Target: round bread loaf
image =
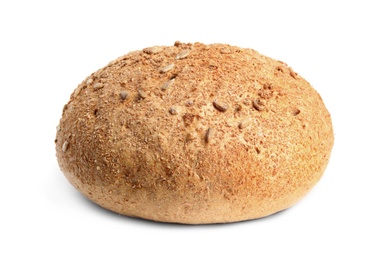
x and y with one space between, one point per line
194 133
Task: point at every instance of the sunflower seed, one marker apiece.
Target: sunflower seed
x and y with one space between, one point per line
296 111
123 95
292 73
189 103
142 94
98 86
225 51
258 105
221 106
89 81
167 84
191 136
153 50
209 135
245 123
65 146
183 54
280 68
172 111
77 91
167 68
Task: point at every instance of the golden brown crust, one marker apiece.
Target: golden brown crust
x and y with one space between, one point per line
194 133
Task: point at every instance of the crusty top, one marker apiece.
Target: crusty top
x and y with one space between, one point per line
178 133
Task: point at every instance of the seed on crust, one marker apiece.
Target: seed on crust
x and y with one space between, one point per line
98 86
292 73
153 50
225 50
295 112
280 69
209 135
123 95
191 136
77 90
238 108
172 111
221 106
65 146
142 94
258 105
183 54
245 123
167 68
167 84
189 103
89 81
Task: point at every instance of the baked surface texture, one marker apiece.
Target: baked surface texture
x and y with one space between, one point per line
194 133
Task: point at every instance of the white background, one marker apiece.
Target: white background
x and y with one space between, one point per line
48 47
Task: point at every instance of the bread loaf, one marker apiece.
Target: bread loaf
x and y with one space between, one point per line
194 133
